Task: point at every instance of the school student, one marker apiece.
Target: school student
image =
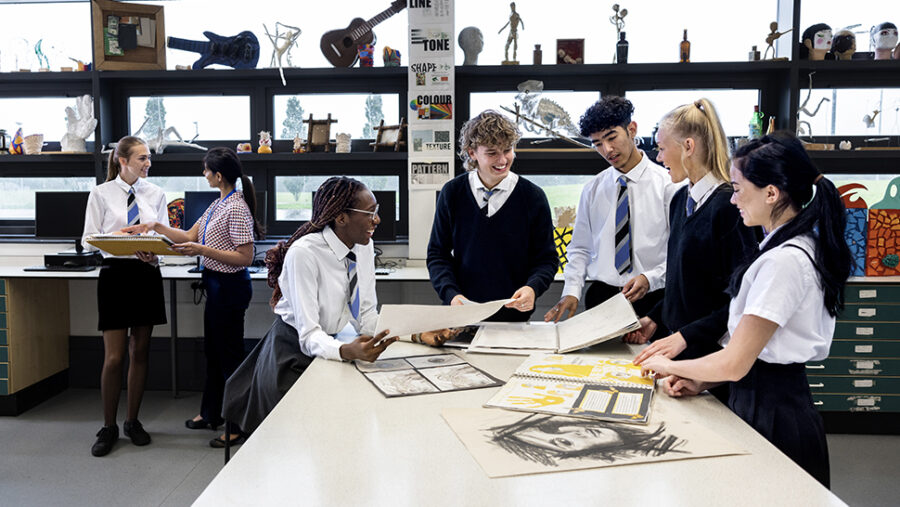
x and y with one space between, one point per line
224 236
622 222
323 279
784 301
707 239
129 289
492 236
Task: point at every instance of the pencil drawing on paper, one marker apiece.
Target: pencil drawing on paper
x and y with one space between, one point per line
460 376
550 440
398 383
435 360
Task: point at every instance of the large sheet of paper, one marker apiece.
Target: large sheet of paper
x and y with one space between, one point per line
508 443
611 318
408 319
517 335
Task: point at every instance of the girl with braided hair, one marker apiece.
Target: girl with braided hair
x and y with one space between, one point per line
323 281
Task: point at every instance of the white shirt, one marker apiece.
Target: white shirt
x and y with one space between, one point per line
107 208
592 251
704 188
315 290
782 286
501 192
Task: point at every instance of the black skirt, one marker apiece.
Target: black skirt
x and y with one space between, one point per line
129 293
775 400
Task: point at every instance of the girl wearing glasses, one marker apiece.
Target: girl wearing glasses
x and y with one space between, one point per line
224 236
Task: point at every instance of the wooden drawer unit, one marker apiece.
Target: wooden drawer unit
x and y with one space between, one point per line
850 384
861 349
846 330
847 366
856 402
34 331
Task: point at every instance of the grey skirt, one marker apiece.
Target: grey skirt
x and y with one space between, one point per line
264 377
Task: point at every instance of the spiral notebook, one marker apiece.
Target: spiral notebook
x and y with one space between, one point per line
122 244
579 386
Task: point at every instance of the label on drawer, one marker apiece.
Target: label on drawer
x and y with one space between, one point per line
868 293
863 349
864 365
865 331
867 312
864 383
865 402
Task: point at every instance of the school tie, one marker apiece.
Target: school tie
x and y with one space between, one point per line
353 301
133 213
689 207
485 199
623 230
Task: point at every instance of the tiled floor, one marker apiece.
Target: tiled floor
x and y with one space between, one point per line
45 457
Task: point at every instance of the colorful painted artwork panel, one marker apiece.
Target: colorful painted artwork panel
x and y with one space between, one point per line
855 236
882 243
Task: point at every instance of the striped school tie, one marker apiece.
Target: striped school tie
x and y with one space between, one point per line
133 213
353 301
689 207
485 199
623 230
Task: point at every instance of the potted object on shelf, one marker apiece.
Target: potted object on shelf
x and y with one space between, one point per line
471 41
815 42
884 40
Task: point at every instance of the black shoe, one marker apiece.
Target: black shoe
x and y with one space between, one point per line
202 424
135 431
219 442
106 439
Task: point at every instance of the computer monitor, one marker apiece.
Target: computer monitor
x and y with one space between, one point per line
60 215
195 203
387 212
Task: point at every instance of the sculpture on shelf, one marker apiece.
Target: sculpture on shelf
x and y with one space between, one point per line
816 42
391 57
343 142
44 63
802 109
843 45
883 38
158 141
15 147
244 148
618 20
774 35
282 42
513 38
547 114
366 55
79 125
299 144
471 41
265 142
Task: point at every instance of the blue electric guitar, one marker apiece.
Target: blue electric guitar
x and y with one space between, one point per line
240 51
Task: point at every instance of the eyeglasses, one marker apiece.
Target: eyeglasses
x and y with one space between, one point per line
372 213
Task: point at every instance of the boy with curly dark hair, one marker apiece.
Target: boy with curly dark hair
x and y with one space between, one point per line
622 222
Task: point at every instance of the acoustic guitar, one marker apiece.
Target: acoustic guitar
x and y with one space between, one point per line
239 51
340 46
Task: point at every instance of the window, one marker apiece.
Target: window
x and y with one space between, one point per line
44 115
176 186
562 190
356 114
18 193
293 198
851 112
193 117
63 30
557 105
734 107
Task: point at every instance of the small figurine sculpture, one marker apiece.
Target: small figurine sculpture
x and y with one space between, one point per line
884 40
244 148
298 144
366 52
513 38
844 45
803 126
816 42
79 126
343 143
281 45
618 20
265 142
471 41
43 62
158 141
391 57
15 147
774 35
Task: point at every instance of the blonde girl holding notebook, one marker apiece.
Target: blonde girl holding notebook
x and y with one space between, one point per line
129 289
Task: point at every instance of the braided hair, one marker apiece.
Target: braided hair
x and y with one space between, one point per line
332 198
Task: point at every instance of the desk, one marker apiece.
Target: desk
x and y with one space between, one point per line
334 440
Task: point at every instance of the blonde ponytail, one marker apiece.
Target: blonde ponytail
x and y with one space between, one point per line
700 121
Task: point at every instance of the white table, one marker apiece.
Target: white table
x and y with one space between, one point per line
335 440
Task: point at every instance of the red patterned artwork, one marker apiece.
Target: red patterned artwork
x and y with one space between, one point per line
883 242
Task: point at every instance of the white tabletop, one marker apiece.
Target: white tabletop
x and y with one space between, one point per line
335 440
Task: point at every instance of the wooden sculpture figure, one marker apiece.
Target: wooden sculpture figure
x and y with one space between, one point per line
281 45
774 34
514 21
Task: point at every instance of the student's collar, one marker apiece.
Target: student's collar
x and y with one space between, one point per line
769 235
707 184
505 184
124 185
637 171
337 246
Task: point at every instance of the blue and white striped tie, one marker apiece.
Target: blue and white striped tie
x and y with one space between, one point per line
353 301
486 199
623 230
133 213
689 206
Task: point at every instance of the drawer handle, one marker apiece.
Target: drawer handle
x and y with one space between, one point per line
818 403
815 367
817 385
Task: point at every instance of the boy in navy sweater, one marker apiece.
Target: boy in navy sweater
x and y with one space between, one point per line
492 236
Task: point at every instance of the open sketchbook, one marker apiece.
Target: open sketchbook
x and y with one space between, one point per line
614 317
122 244
435 373
578 386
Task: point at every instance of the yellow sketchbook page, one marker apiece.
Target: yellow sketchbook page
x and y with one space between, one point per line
603 370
